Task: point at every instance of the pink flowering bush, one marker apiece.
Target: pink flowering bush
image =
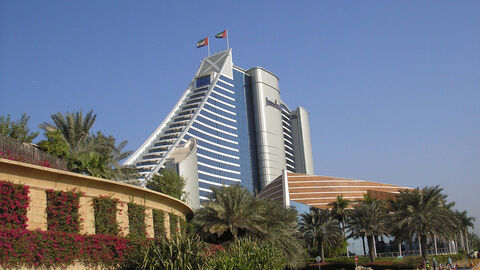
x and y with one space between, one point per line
14 202
62 210
48 249
15 157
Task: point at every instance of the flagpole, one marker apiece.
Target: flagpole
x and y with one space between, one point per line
208 46
228 45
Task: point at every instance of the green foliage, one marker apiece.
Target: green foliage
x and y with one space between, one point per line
184 252
158 223
369 219
336 250
174 226
233 213
249 254
74 127
105 213
424 213
55 144
18 130
319 227
168 182
136 220
93 154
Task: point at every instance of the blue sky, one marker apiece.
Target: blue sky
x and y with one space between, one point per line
392 87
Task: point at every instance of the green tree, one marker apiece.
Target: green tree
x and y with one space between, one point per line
233 213
74 127
318 227
465 222
369 219
340 211
230 213
169 182
55 144
18 130
424 213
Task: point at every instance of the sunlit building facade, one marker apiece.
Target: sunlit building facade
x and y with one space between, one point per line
229 127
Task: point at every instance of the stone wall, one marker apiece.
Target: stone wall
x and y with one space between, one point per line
41 178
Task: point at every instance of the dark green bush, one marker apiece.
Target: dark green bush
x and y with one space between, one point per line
248 254
105 213
158 223
136 220
173 224
178 253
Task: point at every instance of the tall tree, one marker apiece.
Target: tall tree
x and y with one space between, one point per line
74 127
424 213
230 213
465 222
17 130
169 182
369 219
339 209
319 228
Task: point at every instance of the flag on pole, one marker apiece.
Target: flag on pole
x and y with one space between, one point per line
202 42
222 34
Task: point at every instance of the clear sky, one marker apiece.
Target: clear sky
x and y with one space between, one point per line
392 87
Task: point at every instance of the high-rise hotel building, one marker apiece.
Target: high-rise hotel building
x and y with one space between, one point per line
229 127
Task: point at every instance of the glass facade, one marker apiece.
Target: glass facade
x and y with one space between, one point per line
217 110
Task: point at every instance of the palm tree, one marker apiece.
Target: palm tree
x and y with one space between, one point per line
424 213
369 219
319 228
465 222
340 212
230 213
233 212
74 127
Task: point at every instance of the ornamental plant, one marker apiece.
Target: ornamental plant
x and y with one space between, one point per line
173 224
105 213
62 210
55 249
136 220
14 202
158 223
7 154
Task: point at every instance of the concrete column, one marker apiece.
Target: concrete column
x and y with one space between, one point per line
37 212
149 223
122 218
86 213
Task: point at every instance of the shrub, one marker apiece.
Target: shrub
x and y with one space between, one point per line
173 224
178 253
249 254
62 210
158 223
48 249
14 202
136 220
105 213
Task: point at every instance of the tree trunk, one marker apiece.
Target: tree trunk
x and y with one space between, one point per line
423 242
322 252
462 243
419 245
374 246
363 242
466 241
371 247
435 244
344 234
399 248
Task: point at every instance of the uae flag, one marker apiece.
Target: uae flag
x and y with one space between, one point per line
202 42
222 34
